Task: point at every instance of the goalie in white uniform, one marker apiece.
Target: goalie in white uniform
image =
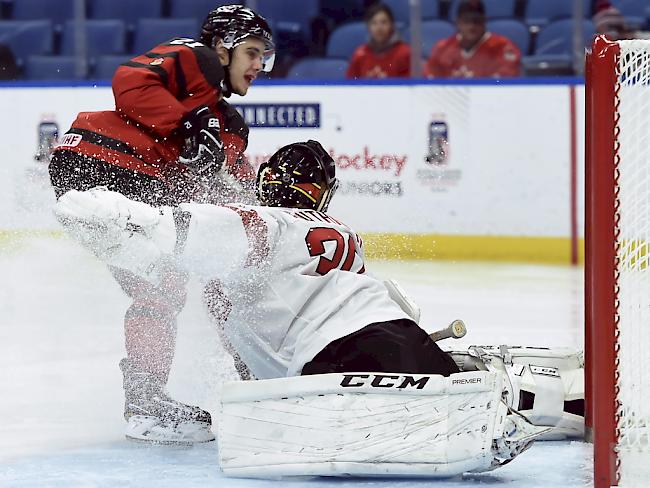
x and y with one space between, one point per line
291 293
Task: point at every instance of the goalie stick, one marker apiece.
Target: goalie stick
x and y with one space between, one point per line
456 330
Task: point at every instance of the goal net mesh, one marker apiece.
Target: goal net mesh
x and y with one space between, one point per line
632 173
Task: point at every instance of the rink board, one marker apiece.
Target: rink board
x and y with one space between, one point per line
427 171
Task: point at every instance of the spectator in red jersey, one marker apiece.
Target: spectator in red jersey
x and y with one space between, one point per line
473 52
385 55
172 138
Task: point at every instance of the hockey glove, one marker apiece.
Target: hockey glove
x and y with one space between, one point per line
202 151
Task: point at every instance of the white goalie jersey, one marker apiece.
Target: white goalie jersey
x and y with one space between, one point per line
294 281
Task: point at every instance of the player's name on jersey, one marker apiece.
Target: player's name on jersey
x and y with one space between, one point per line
284 115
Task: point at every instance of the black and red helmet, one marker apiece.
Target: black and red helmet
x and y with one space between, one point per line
232 24
299 175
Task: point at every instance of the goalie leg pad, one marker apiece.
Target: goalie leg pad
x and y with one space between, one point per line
366 424
121 232
544 384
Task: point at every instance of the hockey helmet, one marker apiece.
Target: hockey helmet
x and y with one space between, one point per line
232 24
299 175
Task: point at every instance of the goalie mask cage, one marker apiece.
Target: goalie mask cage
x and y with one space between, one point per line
617 267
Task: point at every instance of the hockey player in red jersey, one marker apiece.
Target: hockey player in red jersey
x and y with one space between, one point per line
172 138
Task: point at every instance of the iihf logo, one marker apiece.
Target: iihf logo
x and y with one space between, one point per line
438 143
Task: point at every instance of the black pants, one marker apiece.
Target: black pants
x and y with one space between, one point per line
72 171
397 346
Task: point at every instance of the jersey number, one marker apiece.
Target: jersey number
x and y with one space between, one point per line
316 239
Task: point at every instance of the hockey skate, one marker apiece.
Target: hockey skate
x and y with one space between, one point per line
153 416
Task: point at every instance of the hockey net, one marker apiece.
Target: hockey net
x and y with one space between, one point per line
618 261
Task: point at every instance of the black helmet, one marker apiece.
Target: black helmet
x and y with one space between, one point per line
300 175
233 23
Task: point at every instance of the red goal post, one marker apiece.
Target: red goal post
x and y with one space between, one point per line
617 264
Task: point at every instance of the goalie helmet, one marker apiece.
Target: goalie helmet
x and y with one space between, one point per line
300 175
232 24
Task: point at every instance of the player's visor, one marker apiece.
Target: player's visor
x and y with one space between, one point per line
267 58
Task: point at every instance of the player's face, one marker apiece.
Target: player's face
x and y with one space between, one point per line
471 29
245 65
380 28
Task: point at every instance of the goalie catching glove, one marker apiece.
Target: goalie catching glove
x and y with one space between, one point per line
203 150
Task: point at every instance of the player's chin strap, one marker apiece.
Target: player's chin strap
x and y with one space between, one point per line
226 85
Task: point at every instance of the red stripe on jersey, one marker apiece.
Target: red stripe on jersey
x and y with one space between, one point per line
257 233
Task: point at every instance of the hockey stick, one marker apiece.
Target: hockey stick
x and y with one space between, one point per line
456 330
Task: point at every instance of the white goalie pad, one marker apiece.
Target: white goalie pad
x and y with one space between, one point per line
121 232
367 424
544 384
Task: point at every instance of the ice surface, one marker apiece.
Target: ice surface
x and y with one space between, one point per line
61 339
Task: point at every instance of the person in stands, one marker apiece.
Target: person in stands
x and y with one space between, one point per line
385 55
609 21
473 52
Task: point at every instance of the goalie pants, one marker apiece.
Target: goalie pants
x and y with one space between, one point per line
396 346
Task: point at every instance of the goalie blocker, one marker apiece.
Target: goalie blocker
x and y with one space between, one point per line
369 424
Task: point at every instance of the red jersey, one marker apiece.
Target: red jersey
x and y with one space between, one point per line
494 56
153 92
395 62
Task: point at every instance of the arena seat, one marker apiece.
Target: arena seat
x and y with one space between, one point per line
290 16
150 32
494 9
429 9
183 9
636 12
542 12
340 11
514 30
557 37
127 10
105 66
51 68
27 37
345 39
57 11
432 32
554 47
102 37
319 68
